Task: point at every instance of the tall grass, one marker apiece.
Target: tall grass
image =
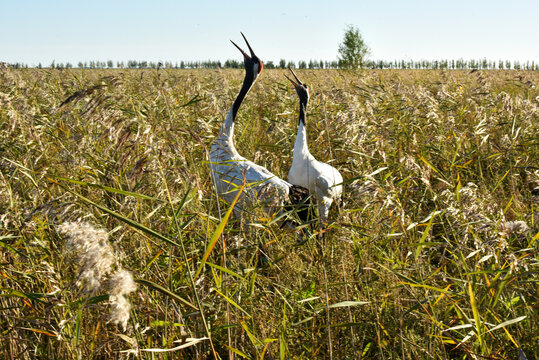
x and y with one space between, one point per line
432 255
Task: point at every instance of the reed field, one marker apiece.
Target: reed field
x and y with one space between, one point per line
113 243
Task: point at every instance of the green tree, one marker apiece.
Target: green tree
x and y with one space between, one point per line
353 50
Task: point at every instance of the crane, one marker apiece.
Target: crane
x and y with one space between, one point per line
322 180
229 169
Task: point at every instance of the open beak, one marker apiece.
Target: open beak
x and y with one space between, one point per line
296 84
243 52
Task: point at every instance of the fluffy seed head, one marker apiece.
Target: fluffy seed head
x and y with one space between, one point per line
90 248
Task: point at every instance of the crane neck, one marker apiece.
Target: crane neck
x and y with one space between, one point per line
248 82
228 127
302 112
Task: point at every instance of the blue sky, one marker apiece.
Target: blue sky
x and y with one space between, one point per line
71 31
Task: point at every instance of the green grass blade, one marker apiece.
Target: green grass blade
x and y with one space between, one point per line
232 302
425 234
107 188
78 325
477 319
164 291
20 294
223 269
238 352
501 180
217 233
431 166
9 247
124 219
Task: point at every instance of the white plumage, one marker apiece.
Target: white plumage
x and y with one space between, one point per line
322 180
228 167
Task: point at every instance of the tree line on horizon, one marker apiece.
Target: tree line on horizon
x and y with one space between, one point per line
353 54
458 64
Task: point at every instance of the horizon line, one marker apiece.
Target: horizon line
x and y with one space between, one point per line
232 63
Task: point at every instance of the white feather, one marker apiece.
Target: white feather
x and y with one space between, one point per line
322 180
228 169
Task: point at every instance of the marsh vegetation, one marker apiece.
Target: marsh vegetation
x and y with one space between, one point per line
432 255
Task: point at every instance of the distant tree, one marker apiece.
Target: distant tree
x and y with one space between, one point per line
282 63
269 65
302 64
291 64
353 50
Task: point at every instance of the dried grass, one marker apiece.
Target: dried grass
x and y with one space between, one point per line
433 255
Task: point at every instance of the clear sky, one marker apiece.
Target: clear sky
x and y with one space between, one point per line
33 31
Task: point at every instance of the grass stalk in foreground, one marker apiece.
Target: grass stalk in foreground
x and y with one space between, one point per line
410 144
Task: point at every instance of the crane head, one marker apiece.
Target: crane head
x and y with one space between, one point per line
252 62
301 88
